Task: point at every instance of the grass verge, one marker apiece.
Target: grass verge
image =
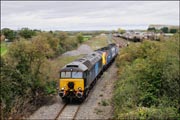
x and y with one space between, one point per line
3 48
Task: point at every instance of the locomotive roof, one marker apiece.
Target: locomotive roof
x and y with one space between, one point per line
83 64
76 65
90 59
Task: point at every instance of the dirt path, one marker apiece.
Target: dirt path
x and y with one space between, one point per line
83 49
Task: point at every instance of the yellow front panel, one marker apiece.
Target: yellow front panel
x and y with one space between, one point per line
63 83
104 58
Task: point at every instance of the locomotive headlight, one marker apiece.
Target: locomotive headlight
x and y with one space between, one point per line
79 88
62 88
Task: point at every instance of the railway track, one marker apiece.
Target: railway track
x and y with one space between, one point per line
68 112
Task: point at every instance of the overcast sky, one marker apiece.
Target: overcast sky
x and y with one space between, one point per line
92 15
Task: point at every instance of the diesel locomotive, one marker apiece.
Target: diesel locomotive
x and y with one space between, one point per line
79 76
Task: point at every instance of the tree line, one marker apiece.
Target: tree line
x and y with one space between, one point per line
163 29
25 67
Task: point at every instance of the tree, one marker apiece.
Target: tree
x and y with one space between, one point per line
151 29
26 33
121 31
173 30
62 36
50 39
79 37
165 29
22 75
8 33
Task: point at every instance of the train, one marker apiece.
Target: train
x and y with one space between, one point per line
77 78
139 36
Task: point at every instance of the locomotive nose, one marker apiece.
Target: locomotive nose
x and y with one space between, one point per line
71 85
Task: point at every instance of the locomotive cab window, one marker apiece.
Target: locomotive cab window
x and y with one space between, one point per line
65 74
77 74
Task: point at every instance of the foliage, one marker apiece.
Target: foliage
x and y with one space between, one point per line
151 29
9 34
173 30
3 48
153 113
49 39
66 43
86 37
97 42
104 103
121 31
165 29
21 73
149 77
26 33
79 37
28 72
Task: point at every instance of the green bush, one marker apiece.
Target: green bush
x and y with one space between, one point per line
22 76
148 76
26 33
80 37
25 69
104 103
152 113
9 34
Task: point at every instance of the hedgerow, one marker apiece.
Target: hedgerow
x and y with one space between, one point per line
148 80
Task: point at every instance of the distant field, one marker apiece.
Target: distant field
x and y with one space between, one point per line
86 37
3 48
97 42
58 63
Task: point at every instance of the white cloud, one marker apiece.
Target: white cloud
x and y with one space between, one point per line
80 15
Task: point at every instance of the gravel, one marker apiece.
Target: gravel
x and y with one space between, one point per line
99 105
48 111
83 49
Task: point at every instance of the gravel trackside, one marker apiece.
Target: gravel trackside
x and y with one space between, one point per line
48 111
99 105
83 49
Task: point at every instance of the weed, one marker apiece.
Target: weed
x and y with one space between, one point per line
98 111
104 103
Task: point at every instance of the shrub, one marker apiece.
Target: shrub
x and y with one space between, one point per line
26 33
149 76
22 78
